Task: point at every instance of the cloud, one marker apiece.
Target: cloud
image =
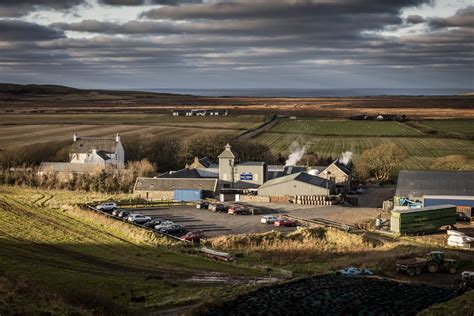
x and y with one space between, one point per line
17 8
463 18
14 30
415 19
147 2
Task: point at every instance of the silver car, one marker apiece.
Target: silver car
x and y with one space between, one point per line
109 206
138 218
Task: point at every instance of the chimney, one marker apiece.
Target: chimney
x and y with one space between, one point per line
196 159
74 137
117 138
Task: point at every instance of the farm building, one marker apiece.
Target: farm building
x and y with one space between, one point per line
338 173
300 183
432 188
204 162
195 112
422 219
166 188
240 175
88 155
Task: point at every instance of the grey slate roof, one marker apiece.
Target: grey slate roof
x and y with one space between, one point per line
252 163
206 162
293 169
171 184
185 173
302 177
69 167
419 183
343 167
87 144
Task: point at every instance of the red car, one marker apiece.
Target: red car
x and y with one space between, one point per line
193 236
284 222
237 210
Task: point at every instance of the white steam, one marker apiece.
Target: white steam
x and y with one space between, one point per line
346 158
297 153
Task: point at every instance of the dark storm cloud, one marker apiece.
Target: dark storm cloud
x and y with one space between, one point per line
249 42
463 18
415 19
17 8
144 2
14 30
279 9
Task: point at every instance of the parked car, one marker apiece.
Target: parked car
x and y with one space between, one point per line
268 219
163 224
106 207
202 205
123 214
172 229
138 218
238 210
218 207
460 216
116 212
154 222
193 236
284 222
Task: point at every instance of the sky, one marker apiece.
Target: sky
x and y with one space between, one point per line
212 44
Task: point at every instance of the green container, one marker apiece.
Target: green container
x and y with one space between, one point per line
422 219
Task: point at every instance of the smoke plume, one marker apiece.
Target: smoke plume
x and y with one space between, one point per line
297 153
313 172
346 158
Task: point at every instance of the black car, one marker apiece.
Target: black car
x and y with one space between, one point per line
460 216
153 223
202 205
172 229
123 214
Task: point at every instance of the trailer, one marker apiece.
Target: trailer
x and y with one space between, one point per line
434 262
422 220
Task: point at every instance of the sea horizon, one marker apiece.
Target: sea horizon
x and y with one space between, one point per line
308 93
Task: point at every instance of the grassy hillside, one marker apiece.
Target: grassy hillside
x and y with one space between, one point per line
421 151
91 263
344 128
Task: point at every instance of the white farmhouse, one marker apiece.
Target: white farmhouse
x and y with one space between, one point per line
100 151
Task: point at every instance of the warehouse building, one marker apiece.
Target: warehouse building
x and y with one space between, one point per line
300 183
166 188
434 188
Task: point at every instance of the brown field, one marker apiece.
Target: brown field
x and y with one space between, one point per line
412 106
12 135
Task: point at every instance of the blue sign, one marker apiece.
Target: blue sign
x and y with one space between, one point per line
246 177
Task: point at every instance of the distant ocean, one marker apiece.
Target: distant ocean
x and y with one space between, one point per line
306 93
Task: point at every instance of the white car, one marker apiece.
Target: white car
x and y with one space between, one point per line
268 219
109 206
164 224
138 218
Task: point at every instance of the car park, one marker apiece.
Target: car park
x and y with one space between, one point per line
193 236
238 210
268 219
172 229
107 207
138 218
284 222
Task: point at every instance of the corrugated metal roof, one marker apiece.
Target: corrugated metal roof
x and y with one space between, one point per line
302 177
420 183
171 184
424 209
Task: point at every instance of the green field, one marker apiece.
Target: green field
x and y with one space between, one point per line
344 128
243 122
459 126
88 260
421 151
